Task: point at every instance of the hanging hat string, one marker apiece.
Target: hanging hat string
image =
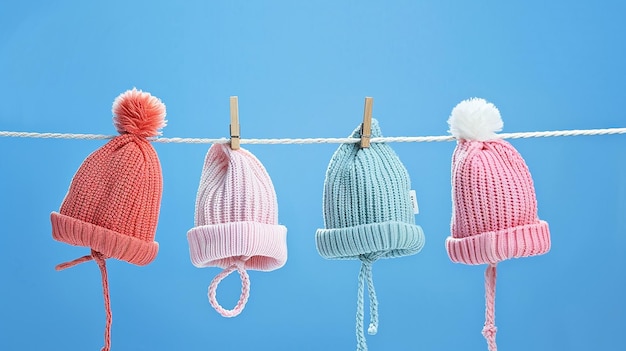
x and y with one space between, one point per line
101 261
365 275
245 288
489 330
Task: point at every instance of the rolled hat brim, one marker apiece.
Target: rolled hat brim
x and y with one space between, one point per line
392 239
108 242
220 245
492 247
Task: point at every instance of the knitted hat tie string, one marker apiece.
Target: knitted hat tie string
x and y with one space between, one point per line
365 275
489 330
101 261
239 266
494 205
368 214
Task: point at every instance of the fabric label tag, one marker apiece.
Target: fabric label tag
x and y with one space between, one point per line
413 196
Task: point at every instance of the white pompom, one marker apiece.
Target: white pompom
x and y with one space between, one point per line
475 119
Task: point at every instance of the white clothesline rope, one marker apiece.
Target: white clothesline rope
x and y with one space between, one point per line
555 133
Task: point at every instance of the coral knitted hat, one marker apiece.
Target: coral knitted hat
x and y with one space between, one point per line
494 207
236 221
368 214
112 205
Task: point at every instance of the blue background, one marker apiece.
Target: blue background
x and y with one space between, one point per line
302 69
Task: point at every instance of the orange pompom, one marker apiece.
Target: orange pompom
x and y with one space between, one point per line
138 113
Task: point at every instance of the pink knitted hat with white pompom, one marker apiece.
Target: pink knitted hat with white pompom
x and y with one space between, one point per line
494 207
112 205
236 221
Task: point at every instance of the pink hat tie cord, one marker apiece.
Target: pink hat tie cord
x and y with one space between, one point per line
236 221
239 266
489 330
101 261
494 206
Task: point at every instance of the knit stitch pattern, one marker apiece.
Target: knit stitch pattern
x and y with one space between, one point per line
112 205
494 207
368 215
236 220
366 204
494 214
236 213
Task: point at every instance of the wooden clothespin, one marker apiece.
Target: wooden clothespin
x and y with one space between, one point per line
234 123
366 127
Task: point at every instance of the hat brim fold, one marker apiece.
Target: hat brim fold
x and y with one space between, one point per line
108 242
492 247
262 246
392 239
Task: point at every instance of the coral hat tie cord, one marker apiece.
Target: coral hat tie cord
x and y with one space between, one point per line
366 275
239 266
489 330
100 260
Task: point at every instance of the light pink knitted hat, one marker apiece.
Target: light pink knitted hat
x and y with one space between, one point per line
494 207
236 221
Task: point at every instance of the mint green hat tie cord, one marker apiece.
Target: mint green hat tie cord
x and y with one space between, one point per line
366 275
368 215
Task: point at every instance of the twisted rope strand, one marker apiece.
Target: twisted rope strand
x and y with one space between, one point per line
365 277
101 261
360 334
99 258
245 290
373 327
555 133
489 330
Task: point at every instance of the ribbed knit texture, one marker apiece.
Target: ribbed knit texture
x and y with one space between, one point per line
494 208
112 205
114 198
494 212
367 215
236 220
366 203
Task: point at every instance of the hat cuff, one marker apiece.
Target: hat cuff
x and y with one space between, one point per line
222 245
393 239
108 242
492 247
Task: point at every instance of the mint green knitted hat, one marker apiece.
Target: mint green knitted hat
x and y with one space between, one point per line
368 214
